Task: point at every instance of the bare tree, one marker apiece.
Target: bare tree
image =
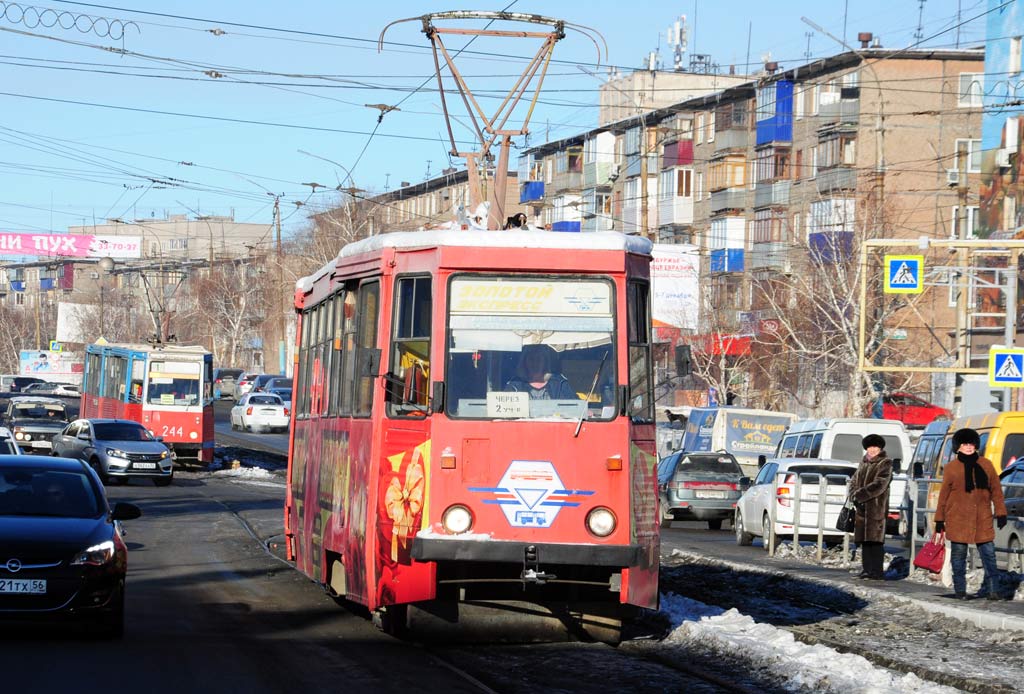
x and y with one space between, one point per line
230 303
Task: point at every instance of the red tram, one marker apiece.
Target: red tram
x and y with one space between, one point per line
166 388
473 430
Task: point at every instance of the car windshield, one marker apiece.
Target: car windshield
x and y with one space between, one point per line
173 383
34 492
229 373
521 348
283 393
720 464
265 400
282 383
121 432
40 411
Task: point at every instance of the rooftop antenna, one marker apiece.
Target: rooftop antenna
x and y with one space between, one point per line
919 34
491 129
676 38
807 53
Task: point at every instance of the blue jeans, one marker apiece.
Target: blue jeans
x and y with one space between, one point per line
958 562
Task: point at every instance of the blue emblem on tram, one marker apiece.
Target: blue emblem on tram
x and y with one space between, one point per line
531 494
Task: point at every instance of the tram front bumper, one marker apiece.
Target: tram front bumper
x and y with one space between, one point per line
476 550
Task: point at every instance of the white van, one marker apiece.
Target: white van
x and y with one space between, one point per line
840 438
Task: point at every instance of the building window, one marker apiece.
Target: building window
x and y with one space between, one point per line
727 173
772 164
972 88
828 93
699 190
839 149
972 220
711 127
834 214
973 155
700 128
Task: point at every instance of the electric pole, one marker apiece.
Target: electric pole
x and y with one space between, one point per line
963 340
282 304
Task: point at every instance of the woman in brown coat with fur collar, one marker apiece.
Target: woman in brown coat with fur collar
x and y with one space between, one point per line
970 490
869 489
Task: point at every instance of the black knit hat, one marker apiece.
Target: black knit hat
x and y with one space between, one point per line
963 436
873 440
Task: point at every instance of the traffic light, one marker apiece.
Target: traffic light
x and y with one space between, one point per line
996 400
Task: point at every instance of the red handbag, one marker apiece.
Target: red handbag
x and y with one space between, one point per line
932 554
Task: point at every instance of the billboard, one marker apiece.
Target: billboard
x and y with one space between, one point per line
674 298
51 366
71 245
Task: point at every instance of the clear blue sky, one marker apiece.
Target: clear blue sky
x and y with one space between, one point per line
74 149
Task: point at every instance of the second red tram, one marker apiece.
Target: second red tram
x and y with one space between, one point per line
473 430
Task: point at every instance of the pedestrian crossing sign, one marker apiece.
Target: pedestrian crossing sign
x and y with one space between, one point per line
1006 367
903 274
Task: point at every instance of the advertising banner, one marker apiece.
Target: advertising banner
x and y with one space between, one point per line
674 297
51 366
71 245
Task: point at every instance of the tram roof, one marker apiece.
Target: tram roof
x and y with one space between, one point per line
408 240
178 350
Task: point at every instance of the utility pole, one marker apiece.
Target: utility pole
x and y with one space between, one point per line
645 227
282 305
963 340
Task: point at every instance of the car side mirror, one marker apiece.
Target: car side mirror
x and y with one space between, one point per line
84 436
897 465
744 484
761 460
124 511
917 470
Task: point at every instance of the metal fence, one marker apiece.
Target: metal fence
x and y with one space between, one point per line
801 496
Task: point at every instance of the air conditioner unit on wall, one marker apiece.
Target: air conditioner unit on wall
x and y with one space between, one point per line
1003 158
615 172
952 177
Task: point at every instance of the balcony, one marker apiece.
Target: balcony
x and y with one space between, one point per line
566 181
598 173
771 254
675 210
836 178
729 199
726 260
530 191
766 194
733 138
843 111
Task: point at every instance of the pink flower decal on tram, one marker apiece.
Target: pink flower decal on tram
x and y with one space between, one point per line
403 503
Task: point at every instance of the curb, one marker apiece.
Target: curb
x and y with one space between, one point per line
980 618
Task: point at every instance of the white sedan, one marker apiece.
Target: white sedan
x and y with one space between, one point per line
260 412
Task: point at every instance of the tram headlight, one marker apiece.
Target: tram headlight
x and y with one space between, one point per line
601 521
457 520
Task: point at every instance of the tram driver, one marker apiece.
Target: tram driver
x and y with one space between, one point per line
535 376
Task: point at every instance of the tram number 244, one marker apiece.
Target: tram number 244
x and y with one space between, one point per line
172 431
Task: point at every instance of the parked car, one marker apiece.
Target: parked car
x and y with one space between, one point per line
224 381
64 554
284 393
15 384
8 446
244 384
117 449
35 421
262 380
924 465
1011 537
67 390
775 484
259 412
278 383
910 409
698 486
54 389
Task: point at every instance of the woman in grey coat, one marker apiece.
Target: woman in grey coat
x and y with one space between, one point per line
869 489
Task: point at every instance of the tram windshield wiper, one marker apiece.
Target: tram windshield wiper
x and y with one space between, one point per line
593 387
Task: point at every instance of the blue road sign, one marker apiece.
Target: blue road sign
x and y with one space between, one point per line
1006 367
903 274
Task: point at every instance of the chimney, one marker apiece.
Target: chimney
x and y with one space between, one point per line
865 38
771 66
877 42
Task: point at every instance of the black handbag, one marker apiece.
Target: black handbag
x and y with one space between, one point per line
847 519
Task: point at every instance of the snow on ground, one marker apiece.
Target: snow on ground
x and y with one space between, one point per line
801 667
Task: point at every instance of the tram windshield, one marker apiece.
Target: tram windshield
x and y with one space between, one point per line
524 348
173 383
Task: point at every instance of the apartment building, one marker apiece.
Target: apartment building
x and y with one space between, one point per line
775 175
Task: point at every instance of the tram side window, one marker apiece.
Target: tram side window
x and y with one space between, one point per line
348 345
325 352
369 308
337 354
91 382
639 322
302 392
138 379
114 377
409 378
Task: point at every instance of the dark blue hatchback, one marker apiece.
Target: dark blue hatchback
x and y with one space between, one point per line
61 551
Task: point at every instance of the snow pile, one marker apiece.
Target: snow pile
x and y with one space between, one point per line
799 666
247 473
830 556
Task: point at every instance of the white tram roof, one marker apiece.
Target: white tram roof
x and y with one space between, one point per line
600 240
168 349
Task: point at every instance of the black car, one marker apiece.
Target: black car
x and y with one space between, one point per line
35 421
61 551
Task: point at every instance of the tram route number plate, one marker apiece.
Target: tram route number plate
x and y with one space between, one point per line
144 466
22 585
710 495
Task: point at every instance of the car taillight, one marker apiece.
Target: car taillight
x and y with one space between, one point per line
248 410
216 380
287 412
782 492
